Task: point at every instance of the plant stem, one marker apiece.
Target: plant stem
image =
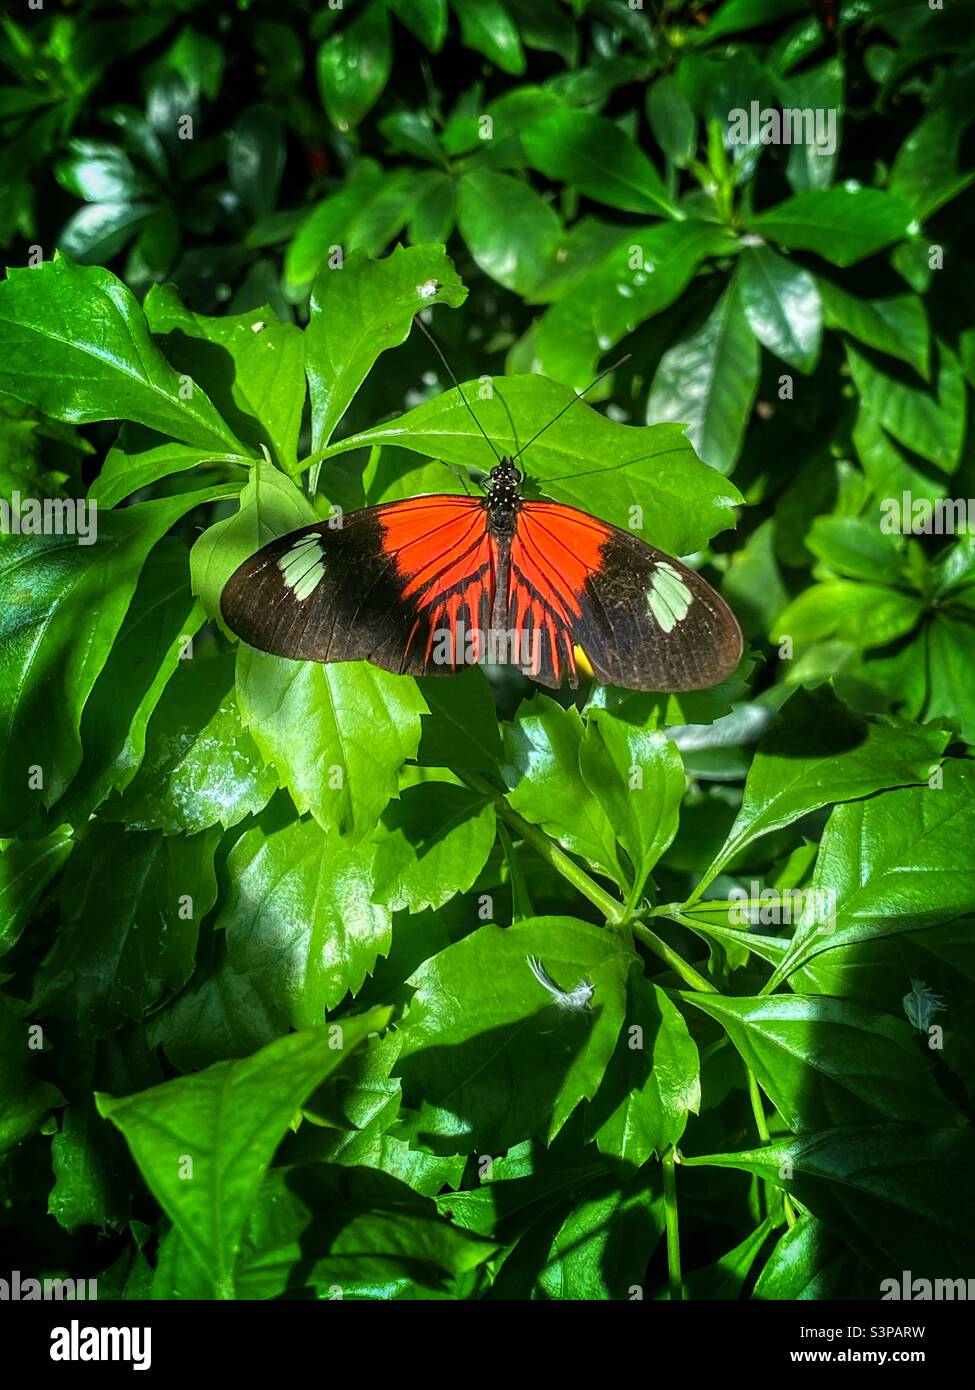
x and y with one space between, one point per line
758 1109
676 961
549 851
673 1232
761 1124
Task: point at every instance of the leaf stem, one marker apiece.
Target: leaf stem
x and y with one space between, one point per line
673 1230
761 1124
673 958
612 910
758 1109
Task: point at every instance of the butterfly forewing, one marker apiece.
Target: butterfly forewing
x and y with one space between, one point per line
380 587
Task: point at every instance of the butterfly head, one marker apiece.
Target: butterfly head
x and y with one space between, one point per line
505 481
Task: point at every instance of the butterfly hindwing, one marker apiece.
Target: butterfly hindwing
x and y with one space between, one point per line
384 586
643 620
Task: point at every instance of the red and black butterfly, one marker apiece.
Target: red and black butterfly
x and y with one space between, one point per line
428 585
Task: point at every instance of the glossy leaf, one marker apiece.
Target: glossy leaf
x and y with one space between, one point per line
599 159
844 224
336 735
479 1011
228 1121
359 312
92 357
781 302
594 463
708 382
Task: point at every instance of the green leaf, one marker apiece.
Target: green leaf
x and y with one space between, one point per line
853 546
931 422
593 462
155 635
361 310
894 863
335 224
221 1016
807 1263
413 133
337 735
925 171
708 382
485 25
227 1121
91 356
99 231
868 615
26 868
479 1011
324 1227
672 120
542 751
726 1278
427 19
781 302
24 1098
53 584
354 66
434 841
820 89
736 15
461 728
510 230
201 766
140 458
844 224
270 506
434 212
951 648
825 1062
302 923
645 272
898 1195
597 157
131 907
637 777
601 1249
255 160
897 326
818 752
652 1082
251 365
98 172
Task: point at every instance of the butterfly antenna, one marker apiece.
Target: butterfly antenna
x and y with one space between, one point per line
436 346
514 431
577 397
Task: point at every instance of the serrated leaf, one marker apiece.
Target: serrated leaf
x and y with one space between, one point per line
227 1121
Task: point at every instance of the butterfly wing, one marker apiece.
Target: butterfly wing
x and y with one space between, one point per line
386 586
643 620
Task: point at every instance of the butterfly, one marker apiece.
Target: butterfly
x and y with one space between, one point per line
432 584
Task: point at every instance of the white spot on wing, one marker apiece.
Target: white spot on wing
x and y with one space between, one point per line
669 598
303 566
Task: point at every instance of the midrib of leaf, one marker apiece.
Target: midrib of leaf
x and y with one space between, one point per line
108 360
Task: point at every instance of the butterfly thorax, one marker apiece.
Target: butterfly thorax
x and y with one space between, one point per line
504 497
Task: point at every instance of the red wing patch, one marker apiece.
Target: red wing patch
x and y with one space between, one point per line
443 550
553 553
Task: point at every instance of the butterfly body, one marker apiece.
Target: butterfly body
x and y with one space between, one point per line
431 584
